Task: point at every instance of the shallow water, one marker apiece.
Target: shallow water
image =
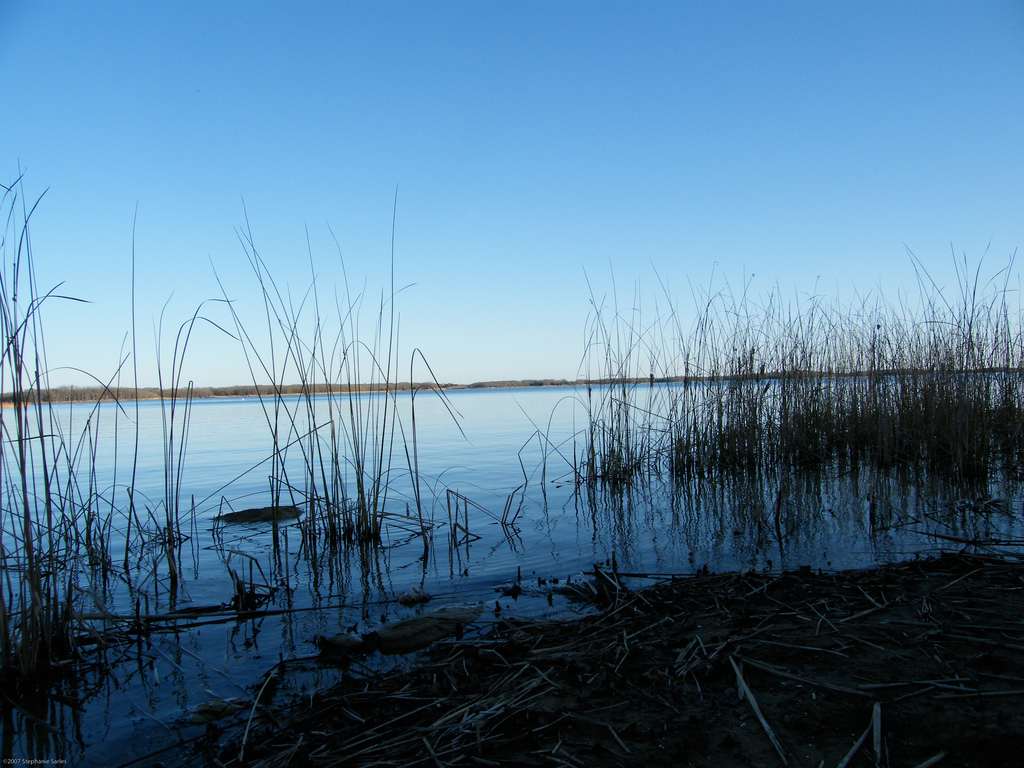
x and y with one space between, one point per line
838 521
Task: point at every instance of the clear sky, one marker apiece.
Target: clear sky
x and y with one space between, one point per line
529 141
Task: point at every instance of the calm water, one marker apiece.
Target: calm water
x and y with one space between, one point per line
833 522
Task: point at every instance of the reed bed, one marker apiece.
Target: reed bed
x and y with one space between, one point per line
762 387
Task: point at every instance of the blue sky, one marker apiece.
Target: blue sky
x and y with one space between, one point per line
801 141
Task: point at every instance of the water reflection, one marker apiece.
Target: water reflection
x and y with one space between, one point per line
497 504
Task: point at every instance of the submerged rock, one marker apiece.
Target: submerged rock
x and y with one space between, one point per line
215 709
513 590
420 631
403 636
414 596
344 644
260 515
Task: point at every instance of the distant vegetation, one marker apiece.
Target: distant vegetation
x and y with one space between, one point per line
77 394
73 394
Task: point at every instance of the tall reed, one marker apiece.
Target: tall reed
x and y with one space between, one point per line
329 384
51 521
934 383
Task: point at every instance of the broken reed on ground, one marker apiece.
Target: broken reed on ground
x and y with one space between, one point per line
934 384
801 668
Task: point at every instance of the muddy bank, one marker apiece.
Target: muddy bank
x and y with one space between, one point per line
910 665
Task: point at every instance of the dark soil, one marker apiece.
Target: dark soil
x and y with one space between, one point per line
911 665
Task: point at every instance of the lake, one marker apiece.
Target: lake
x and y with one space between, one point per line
500 443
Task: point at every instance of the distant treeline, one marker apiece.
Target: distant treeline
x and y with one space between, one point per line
73 394
92 394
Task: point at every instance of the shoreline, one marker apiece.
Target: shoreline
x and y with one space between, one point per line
74 394
707 670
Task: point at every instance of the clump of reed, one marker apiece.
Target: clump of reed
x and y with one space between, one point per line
328 382
756 387
72 533
628 417
72 529
325 417
55 524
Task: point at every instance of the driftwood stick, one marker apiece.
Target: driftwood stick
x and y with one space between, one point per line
933 760
433 754
876 728
745 691
855 748
241 751
773 670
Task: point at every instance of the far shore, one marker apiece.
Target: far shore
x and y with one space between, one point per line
71 394
67 394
